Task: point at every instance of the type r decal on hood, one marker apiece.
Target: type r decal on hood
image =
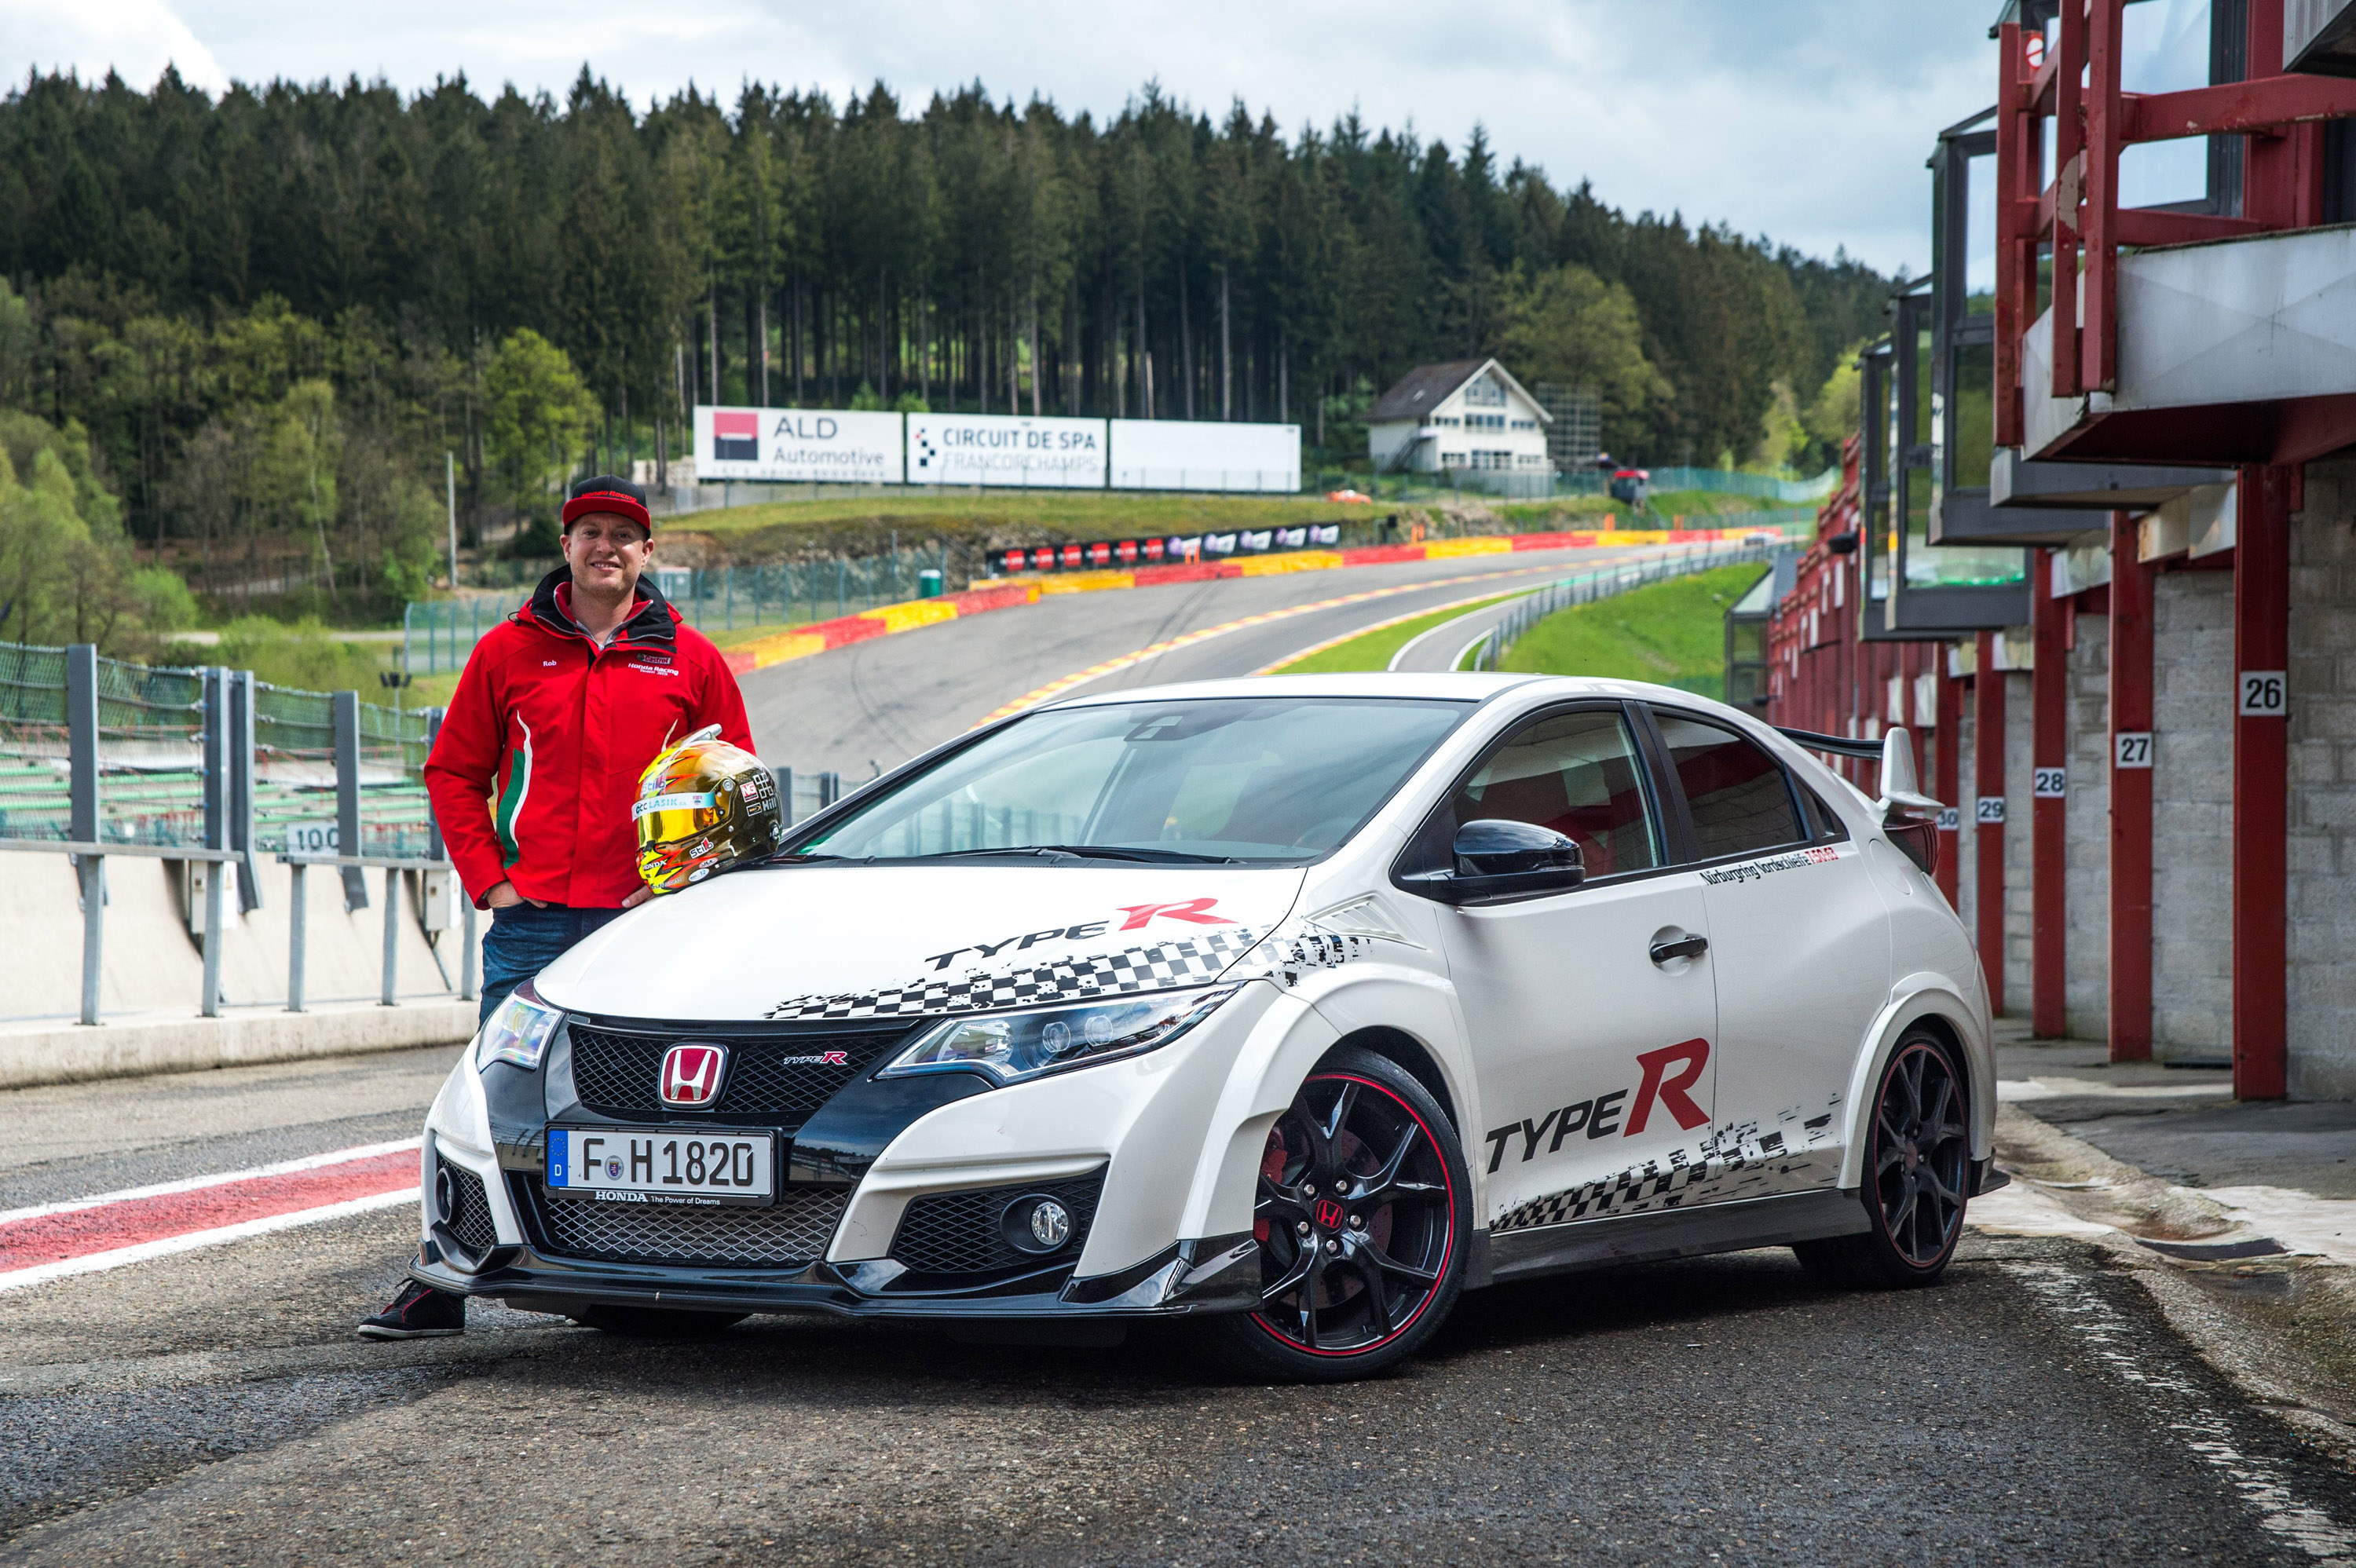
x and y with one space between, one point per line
1160 966
1195 911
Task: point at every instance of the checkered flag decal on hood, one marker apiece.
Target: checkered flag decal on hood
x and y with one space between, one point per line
1160 966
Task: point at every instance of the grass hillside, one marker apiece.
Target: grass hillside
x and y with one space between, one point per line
1373 650
1671 632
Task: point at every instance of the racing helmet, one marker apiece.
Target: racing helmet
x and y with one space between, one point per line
704 806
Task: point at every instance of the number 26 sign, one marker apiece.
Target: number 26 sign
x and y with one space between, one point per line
2266 694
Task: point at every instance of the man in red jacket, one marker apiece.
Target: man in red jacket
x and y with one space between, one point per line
561 708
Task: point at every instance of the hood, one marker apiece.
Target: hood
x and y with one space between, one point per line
812 942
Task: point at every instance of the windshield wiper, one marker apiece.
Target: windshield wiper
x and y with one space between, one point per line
1090 852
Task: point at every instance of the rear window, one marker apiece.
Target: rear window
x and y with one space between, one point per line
1739 799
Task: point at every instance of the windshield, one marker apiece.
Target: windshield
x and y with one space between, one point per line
1223 779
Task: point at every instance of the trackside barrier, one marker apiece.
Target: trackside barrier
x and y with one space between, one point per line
1605 584
149 739
437 634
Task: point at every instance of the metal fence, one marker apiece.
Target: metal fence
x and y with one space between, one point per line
1606 584
437 634
213 769
1766 488
149 749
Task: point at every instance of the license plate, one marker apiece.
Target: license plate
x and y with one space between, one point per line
702 1166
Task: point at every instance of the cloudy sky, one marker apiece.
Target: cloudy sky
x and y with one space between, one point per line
1805 119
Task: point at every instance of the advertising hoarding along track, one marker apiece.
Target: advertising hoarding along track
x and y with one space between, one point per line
822 445
1204 455
1000 449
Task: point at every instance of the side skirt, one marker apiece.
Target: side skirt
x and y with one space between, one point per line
1776 1222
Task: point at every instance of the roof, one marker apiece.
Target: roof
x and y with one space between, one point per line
1421 389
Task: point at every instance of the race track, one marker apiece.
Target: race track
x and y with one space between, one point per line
874 704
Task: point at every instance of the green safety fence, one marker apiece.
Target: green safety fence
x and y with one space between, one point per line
151 758
437 634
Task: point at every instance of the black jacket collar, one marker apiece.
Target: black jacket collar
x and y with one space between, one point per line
650 622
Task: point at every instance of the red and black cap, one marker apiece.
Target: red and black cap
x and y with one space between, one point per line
607 494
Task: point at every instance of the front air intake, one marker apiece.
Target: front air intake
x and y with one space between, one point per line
971 1232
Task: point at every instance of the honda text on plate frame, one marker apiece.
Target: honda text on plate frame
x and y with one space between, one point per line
1287 1009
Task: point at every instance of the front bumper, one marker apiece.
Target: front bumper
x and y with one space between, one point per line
1215 1274
1142 1151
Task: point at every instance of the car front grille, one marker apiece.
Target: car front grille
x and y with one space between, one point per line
790 1234
618 1073
470 1212
958 1232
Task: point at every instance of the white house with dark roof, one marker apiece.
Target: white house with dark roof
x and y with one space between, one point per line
1466 415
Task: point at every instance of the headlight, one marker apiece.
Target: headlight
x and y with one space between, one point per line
1011 1047
518 1032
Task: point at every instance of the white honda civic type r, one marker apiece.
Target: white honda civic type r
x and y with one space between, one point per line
1286 1008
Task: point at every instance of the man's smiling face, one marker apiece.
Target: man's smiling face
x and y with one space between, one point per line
606 553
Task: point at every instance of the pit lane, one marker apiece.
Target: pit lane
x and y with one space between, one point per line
214 1405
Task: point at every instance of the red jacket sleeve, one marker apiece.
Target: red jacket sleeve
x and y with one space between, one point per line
462 774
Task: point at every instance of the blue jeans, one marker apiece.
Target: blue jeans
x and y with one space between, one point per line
524 939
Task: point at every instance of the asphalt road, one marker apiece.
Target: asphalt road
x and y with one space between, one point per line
2035 1408
876 704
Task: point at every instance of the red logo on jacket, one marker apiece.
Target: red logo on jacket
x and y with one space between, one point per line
691 1075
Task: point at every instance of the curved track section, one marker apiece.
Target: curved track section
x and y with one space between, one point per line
874 704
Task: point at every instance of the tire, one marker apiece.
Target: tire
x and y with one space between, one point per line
1358 1274
656 1322
1917 1162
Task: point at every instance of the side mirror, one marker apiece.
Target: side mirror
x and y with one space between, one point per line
1497 861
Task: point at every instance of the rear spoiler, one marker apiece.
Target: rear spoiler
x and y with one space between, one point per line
1840 746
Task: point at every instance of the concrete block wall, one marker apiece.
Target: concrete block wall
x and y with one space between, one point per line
2192 815
2322 850
2086 952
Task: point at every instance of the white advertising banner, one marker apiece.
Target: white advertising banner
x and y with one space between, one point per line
828 445
1003 449
1203 454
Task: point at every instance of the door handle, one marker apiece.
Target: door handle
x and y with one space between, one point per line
1683 948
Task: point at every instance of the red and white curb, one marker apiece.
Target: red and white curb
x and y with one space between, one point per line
85 1235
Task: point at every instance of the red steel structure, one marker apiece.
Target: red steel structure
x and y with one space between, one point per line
2062 395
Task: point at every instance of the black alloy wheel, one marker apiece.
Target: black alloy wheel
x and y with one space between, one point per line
1363 1209
1917 1162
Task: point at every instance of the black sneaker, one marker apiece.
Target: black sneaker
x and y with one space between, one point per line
419 1312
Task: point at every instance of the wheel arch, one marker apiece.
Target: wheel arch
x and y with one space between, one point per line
1403 1051
1939 1004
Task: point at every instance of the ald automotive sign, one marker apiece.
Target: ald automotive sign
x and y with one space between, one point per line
824 444
837 446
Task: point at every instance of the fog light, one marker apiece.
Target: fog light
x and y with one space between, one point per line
1051 1224
1035 1223
445 1191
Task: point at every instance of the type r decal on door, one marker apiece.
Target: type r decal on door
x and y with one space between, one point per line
1599 1117
1746 1159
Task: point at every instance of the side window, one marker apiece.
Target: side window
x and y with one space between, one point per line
1739 796
1579 774
1830 829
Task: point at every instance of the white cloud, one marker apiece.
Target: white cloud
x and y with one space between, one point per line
135 38
1804 119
